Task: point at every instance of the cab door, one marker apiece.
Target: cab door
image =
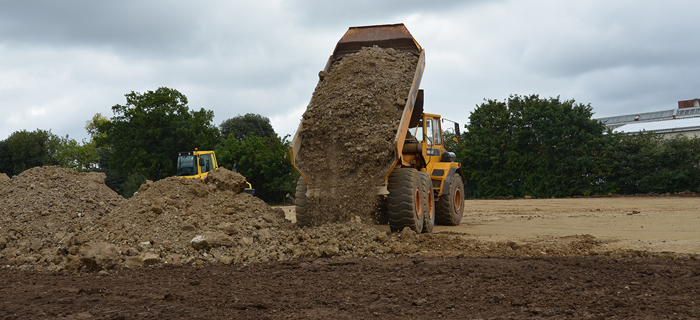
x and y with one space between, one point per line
433 139
205 164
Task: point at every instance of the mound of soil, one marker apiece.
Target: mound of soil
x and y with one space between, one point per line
63 219
177 221
40 203
58 219
348 130
4 178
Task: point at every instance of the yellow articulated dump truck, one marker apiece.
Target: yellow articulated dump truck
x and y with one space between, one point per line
421 182
197 164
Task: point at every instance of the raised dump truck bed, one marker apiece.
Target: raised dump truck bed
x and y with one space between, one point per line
395 36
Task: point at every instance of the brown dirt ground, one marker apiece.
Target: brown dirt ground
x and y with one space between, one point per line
535 258
645 223
403 288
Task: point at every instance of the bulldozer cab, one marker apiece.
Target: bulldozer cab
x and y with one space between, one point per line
196 164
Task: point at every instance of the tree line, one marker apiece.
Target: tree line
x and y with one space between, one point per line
27 149
531 146
142 140
522 146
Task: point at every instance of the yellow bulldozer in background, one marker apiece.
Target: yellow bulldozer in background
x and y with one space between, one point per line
197 164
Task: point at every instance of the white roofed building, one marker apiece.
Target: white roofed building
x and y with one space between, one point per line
684 121
689 127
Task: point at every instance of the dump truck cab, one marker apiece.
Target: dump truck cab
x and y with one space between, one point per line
424 150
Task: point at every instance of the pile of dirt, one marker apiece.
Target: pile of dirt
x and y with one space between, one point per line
55 192
178 221
4 178
348 130
58 219
63 219
40 203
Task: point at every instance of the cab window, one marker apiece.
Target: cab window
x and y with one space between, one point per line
438 131
429 131
214 165
206 163
416 133
186 166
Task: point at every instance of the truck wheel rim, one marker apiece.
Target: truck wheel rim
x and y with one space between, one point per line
458 200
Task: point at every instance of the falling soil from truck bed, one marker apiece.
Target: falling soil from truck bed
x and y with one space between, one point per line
348 131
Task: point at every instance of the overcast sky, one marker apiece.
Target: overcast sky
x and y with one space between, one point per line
63 61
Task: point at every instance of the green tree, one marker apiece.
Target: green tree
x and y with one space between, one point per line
27 149
80 157
249 124
6 164
24 150
131 184
147 132
527 145
92 126
644 163
264 161
114 181
489 153
447 138
561 139
104 152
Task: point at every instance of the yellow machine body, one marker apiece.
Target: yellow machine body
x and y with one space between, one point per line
197 164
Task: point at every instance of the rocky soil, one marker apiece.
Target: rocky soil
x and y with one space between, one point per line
70 248
348 130
58 219
3 178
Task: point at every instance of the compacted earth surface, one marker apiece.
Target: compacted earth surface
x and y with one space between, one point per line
400 288
70 248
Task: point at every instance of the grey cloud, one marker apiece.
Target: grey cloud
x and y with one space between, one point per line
71 59
131 24
319 13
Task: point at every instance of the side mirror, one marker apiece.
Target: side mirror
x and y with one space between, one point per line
457 134
201 162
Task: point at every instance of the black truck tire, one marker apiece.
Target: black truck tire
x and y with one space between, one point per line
302 210
428 202
404 207
450 207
